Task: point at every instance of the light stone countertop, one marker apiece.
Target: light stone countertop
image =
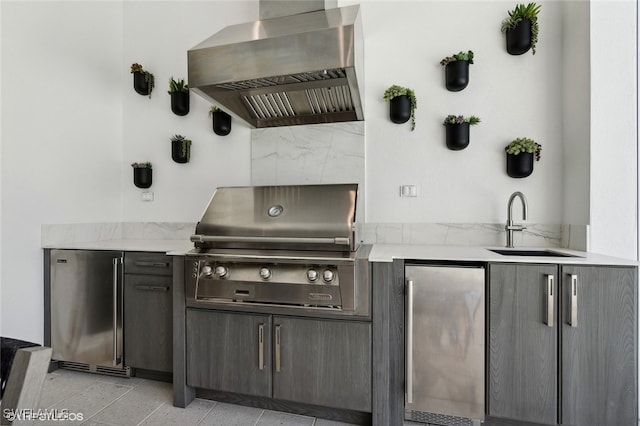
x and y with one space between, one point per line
389 252
379 252
149 245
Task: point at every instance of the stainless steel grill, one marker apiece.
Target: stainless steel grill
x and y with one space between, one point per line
291 247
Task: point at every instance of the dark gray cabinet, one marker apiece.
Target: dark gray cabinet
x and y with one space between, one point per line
313 361
324 362
148 315
599 346
229 351
562 344
523 346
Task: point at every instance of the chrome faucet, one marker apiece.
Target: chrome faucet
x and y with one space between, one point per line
510 227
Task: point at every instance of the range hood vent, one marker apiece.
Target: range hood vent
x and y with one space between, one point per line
286 70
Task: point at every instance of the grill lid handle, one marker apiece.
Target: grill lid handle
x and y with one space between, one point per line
342 241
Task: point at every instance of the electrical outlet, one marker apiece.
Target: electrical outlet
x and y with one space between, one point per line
408 191
146 195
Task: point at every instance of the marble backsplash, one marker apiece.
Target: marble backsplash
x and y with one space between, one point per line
464 234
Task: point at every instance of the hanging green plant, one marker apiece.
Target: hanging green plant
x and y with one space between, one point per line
517 26
403 104
143 81
180 149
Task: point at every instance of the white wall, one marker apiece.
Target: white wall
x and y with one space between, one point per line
515 96
158 35
613 180
61 137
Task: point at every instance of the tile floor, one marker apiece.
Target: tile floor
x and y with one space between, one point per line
105 400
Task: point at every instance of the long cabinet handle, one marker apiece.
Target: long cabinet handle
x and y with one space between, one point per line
261 347
152 287
409 348
550 291
115 311
574 301
151 264
277 348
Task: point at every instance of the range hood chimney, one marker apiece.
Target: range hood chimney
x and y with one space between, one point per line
296 65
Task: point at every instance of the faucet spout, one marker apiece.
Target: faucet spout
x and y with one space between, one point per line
510 227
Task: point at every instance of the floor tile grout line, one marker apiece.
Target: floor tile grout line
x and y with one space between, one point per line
150 414
111 403
259 417
215 403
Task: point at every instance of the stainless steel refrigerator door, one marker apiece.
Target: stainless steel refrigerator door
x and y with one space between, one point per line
86 308
445 320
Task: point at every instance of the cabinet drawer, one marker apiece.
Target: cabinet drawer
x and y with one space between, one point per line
147 263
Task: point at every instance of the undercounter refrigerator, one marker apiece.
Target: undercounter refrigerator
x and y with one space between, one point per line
86 310
445 344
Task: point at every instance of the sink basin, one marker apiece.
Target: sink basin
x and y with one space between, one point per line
530 252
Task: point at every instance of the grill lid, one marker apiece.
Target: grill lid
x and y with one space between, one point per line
300 217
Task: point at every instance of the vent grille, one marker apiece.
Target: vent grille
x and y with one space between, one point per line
304 77
89 368
439 419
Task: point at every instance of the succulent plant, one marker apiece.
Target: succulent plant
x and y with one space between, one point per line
145 165
519 14
148 77
462 56
459 119
184 145
395 91
177 86
524 145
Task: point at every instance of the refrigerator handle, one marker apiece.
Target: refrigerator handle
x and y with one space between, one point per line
116 280
409 345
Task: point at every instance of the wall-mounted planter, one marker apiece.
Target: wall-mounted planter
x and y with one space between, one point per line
400 109
457 135
180 103
520 165
519 38
456 75
143 81
521 153
402 104
180 149
142 176
221 122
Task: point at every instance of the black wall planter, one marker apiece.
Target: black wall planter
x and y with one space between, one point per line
400 109
456 75
520 165
457 135
176 152
519 38
142 177
221 123
180 103
140 85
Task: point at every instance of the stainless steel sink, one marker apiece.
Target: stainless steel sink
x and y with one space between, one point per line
531 253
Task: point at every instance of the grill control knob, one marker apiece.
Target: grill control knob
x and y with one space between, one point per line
207 270
312 275
327 275
221 271
265 273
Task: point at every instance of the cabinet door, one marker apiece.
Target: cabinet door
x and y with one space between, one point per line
229 352
523 324
323 362
599 346
148 322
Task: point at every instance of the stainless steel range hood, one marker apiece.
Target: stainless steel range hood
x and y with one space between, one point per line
284 70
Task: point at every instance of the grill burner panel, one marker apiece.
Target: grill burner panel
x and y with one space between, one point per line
288 247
